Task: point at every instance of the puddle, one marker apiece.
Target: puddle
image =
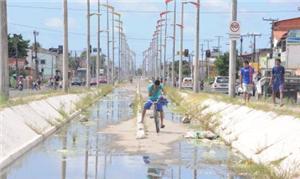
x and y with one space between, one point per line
77 151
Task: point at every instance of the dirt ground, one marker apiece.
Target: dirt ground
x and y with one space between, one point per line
157 144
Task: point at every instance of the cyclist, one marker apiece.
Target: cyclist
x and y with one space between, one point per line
155 91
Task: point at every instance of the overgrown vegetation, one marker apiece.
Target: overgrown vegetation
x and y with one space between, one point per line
189 103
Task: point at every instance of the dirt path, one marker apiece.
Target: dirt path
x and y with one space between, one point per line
157 144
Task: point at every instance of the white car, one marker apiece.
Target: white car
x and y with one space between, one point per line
220 84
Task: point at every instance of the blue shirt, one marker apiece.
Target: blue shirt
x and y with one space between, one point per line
278 74
156 93
247 74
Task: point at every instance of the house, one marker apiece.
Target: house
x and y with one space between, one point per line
48 62
287 43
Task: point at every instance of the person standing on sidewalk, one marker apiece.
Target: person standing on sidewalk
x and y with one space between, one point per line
277 81
246 80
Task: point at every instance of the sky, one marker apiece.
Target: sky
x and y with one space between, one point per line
139 18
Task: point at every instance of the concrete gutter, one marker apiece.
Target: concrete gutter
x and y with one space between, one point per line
264 137
25 126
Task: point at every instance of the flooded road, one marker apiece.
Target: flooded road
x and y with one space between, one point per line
79 151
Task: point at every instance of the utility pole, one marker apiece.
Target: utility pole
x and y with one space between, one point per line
232 55
219 44
35 33
207 61
65 48
165 45
253 35
174 45
181 45
202 60
88 49
113 46
273 21
108 46
98 44
4 83
196 68
16 39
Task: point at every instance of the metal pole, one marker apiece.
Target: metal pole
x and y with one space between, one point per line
232 55
113 46
196 62
174 45
4 83
65 49
98 44
119 70
88 74
165 45
181 45
160 52
35 33
108 51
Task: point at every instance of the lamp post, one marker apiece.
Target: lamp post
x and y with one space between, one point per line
88 74
65 48
4 83
165 13
196 70
120 22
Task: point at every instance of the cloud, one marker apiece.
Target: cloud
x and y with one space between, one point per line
217 5
57 23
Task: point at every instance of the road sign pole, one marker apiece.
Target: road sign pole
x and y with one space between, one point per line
232 55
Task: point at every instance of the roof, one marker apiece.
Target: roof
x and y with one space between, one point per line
282 27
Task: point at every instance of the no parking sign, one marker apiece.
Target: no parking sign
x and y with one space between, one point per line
234 30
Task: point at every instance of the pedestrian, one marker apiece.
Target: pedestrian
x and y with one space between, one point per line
258 84
246 80
277 81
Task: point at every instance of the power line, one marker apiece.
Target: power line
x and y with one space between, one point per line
156 12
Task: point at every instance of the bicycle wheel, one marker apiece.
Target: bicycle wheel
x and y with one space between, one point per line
156 119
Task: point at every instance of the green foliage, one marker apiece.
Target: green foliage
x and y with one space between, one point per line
222 65
16 41
186 70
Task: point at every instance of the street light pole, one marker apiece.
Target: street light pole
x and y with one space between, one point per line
181 45
4 83
108 51
196 62
113 46
98 44
174 45
65 48
232 55
88 75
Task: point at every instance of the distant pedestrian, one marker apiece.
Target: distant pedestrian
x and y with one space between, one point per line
246 79
258 84
277 81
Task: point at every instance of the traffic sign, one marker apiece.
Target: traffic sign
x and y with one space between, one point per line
234 30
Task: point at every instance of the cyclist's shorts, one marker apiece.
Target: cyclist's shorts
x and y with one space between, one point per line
149 103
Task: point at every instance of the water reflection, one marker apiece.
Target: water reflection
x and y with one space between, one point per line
79 151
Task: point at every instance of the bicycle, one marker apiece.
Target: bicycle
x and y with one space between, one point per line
156 116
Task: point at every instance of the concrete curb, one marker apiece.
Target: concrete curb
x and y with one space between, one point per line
140 128
9 157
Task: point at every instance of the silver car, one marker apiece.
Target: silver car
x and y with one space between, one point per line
220 84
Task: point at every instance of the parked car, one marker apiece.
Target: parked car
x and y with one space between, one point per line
102 79
187 83
76 82
220 84
93 82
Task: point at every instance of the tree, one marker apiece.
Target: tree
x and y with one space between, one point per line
222 65
186 70
16 42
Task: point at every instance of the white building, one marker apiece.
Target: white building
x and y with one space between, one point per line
49 62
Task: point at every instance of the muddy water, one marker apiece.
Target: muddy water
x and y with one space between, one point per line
77 151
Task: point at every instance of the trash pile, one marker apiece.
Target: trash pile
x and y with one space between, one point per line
201 135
